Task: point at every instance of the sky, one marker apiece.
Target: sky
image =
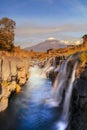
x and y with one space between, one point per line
37 20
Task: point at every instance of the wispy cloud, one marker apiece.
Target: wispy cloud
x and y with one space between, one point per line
70 18
30 34
29 30
72 42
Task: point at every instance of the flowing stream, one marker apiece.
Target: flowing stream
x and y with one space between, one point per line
30 110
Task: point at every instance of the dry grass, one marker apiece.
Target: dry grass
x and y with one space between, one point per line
83 57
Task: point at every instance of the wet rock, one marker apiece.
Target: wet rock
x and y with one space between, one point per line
79 100
54 68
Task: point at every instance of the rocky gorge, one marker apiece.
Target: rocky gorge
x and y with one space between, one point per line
78 108
14 72
78 103
43 87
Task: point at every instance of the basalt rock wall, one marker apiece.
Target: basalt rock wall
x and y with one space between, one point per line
78 110
13 74
78 106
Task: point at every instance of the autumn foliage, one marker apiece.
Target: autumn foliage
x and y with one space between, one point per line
7 27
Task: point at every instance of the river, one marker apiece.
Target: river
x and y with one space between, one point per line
28 110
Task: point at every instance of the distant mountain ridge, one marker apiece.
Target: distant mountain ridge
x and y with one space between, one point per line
46 45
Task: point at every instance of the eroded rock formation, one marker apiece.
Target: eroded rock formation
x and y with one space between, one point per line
13 74
78 107
79 100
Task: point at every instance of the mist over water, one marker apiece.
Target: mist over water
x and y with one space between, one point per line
57 93
28 109
63 122
35 108
59 84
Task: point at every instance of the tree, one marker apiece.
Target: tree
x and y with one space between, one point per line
7 27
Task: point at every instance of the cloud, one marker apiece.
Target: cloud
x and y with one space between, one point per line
29 34
65 42
30 30
77 42
71 42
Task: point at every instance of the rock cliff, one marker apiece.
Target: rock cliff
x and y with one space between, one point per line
13 74
78 106
78 118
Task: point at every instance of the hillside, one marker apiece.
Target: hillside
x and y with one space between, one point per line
48 44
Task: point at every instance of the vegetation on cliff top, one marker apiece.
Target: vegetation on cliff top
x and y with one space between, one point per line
83 57
7 35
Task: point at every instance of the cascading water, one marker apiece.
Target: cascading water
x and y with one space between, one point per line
52 66
27 109
48 64
62 124
54 62
48 67
59 83
69 93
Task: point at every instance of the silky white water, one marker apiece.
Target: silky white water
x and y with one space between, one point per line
60 82
47 66
63 122
29 110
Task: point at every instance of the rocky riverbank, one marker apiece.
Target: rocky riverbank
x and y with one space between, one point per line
78 118
54 64
78 105
14 72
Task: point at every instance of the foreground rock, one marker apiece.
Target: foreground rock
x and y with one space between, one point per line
13 74
78 118
78 106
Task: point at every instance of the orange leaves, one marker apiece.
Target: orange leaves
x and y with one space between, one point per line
6 34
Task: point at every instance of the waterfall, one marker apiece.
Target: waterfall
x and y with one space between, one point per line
60 82
54 62
50 65
47 66
69 93
62 124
